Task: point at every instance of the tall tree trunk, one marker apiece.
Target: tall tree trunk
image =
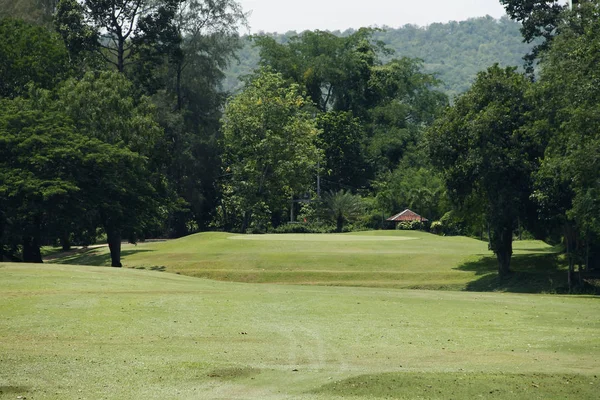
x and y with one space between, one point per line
340 223
121 55
246 221
502 246
65 242
31 250
114 245
570 245
178 87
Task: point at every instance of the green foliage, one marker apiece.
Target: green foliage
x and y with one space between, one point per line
101 106
371 113
540 19
342 207
37 12
486 157
452 224
334 70
410 226
269 151
29 54
436 227
404 101
310 227
341 139
57 181
125 29
568 118
418 187
80 39
454 52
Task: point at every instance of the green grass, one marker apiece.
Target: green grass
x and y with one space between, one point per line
386 259
79 332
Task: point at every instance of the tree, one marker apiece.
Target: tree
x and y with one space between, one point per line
484 153
100 106
541 21
269 151
567 116
404 101
210 39
123 28
341 139
342 207
37 12
334 70
55 180
29 54
80 39
32 189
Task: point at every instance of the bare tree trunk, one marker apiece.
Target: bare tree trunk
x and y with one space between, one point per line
178 88
569 243
65 242
246 221
121 55
339 223
502 246
31 250
114 245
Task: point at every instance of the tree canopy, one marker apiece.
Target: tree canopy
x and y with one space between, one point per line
270 153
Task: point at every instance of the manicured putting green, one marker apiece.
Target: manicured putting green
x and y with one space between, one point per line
293 237
388 259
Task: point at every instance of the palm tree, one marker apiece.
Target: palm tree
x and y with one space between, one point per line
342 207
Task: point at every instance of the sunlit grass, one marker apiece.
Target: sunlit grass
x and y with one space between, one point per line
71 332
387 259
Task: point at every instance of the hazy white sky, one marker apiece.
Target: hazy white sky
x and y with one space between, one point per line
285 15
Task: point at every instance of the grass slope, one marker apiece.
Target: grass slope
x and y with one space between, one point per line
72 332
390 259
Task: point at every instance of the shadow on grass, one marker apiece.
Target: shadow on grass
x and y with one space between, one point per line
96 256
13 389
532 273
159 268
462 385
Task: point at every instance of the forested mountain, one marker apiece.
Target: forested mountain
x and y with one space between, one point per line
453 51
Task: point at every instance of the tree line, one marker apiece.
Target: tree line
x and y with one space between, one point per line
110 119
523 148
454 51
114 123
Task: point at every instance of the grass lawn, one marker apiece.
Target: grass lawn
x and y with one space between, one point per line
80 332
386 259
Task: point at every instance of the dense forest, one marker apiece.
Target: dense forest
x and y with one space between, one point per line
114 125
454 52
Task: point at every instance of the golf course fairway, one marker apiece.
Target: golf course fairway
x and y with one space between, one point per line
81 332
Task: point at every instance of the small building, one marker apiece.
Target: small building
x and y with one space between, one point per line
407 216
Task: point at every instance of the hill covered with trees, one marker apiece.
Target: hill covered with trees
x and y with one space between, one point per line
454 51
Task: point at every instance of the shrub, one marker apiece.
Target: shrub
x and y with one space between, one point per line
312 227
410 226
437 227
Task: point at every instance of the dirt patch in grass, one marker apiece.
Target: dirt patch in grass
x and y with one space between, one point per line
233 373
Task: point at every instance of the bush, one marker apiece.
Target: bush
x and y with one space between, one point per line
410 226
452 225
437 227
312 227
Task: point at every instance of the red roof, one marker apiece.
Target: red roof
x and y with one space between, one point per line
407 215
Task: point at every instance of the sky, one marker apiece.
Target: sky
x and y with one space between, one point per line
299 15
